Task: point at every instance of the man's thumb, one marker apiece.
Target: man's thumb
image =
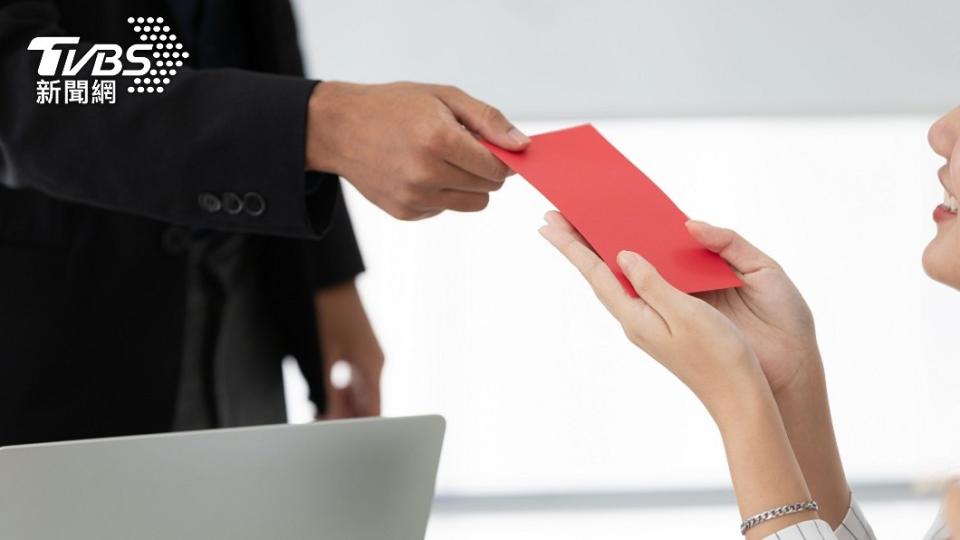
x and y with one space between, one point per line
484 119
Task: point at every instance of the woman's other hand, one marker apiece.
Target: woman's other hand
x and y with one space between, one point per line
777 323
768 308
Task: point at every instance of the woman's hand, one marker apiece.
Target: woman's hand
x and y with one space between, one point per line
704 349
688 336
768 308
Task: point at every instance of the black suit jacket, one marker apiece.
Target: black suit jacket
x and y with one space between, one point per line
97 202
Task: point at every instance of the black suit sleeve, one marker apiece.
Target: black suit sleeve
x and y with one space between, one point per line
211 132
336 257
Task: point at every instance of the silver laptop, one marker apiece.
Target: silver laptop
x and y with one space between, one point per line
370 479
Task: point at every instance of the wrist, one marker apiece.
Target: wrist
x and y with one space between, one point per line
805 410
338 288
746 413
737 386
808 381
335 298
763 467
746 397
325 117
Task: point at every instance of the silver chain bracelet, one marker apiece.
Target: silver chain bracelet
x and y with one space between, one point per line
775 513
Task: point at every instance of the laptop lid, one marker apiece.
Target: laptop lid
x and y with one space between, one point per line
366 479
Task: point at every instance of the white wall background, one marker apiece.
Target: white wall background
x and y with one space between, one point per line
485 324
612 58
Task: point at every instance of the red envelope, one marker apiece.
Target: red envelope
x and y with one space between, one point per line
616 207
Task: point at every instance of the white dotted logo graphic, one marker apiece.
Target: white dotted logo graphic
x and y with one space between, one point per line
167 54
69 75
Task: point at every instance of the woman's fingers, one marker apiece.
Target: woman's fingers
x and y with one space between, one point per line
556 218
644 274
739 253
651 287
604 283
641 322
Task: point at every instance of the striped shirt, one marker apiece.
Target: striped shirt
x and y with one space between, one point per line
853 527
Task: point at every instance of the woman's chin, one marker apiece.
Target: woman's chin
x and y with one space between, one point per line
941 258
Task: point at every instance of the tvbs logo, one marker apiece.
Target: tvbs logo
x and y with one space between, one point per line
107 58
151 64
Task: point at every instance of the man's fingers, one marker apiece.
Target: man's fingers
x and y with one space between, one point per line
366 396
339 404
483 119
457 179
465 152
740 254
460 201
371 406
650 285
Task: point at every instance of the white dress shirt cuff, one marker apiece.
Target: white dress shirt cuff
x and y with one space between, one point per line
813 529
853 527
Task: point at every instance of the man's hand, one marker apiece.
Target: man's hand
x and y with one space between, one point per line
409 148
346 335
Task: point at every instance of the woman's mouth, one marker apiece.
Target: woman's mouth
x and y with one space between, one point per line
947 210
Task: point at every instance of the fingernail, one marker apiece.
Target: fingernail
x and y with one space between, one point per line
518 136
627 259
698 222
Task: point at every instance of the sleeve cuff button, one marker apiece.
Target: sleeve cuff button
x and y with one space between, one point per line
209 202
232 204
254 204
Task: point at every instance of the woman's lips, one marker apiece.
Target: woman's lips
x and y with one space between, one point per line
947 210
942 213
